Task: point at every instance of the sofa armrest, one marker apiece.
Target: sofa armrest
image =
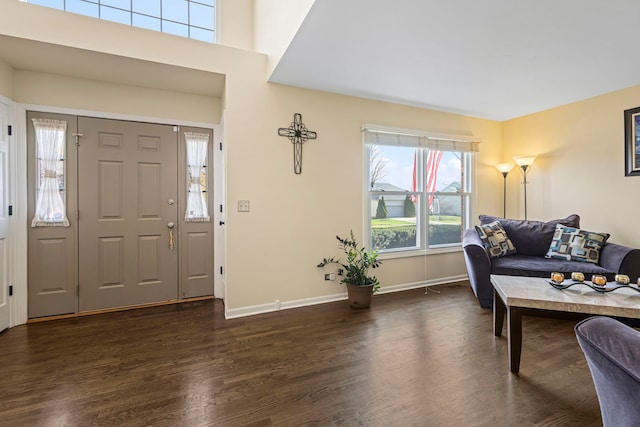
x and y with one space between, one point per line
478 267
621 259
611 349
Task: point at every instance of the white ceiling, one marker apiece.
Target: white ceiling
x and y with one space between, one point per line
496 59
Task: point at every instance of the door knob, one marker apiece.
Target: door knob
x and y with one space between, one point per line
221 223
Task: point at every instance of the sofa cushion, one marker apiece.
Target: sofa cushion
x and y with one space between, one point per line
573 244
531 237
495 240
534 266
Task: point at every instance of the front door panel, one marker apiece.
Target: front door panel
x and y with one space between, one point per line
127 184
52 250
196 238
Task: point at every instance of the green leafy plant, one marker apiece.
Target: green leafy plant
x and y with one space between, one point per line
355 269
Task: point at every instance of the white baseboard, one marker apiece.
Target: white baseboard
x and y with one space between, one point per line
232 313
422 284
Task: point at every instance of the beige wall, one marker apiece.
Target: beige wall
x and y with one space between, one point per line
276 22
273 250
69 92
580 164
235 23
6 79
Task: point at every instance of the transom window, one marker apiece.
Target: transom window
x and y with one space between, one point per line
194 19
418 188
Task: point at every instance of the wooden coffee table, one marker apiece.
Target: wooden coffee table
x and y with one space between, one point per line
514 293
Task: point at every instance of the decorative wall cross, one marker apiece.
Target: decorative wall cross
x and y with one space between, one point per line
298 133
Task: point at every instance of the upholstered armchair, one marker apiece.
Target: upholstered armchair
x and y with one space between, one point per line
612 350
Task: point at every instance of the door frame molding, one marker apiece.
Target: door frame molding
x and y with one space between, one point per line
19 236
14 256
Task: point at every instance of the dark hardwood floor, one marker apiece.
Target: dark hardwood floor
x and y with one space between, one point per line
410 360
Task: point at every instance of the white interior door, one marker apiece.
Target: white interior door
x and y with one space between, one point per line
4 216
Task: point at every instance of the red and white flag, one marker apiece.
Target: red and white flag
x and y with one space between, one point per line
433 163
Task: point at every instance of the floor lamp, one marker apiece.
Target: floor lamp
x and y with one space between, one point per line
504 169
524 162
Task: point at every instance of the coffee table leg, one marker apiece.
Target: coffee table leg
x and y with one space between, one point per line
514 331
499 311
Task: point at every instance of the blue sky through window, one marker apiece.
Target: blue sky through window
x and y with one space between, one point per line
187 18
399 167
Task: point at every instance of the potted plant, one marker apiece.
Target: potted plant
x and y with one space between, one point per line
355 271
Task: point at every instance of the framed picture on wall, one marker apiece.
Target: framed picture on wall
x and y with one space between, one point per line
632 141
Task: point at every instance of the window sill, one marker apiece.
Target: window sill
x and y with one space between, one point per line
419 252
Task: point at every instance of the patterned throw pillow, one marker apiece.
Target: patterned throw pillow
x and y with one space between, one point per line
573 244
495 239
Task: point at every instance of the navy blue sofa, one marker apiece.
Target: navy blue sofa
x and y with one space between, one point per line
532 240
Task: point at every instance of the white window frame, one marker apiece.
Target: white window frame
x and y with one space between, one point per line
390 136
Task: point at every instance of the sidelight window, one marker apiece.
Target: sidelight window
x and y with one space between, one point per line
197 144
50 136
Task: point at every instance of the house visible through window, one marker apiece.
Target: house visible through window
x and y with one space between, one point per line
418 188
194 19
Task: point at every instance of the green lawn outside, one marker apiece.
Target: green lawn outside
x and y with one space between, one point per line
392 233
392 222
402 222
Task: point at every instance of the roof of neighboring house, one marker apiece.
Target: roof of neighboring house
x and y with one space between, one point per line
384 186
453 187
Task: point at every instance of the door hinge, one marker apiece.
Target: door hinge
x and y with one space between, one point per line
220 269
9 130
10 290
220 208
10 210
221 146
176 128
77 215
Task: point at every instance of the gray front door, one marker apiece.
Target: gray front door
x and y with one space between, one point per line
128 217
52 249
196 238
127 241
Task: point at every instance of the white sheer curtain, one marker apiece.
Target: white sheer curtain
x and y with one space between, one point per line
197 144
50 151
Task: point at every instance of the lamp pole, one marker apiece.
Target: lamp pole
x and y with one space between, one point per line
504 169
524 172
504 194
524 162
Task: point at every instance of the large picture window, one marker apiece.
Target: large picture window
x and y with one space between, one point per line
418 189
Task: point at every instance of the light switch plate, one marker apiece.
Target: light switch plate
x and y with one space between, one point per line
243 206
